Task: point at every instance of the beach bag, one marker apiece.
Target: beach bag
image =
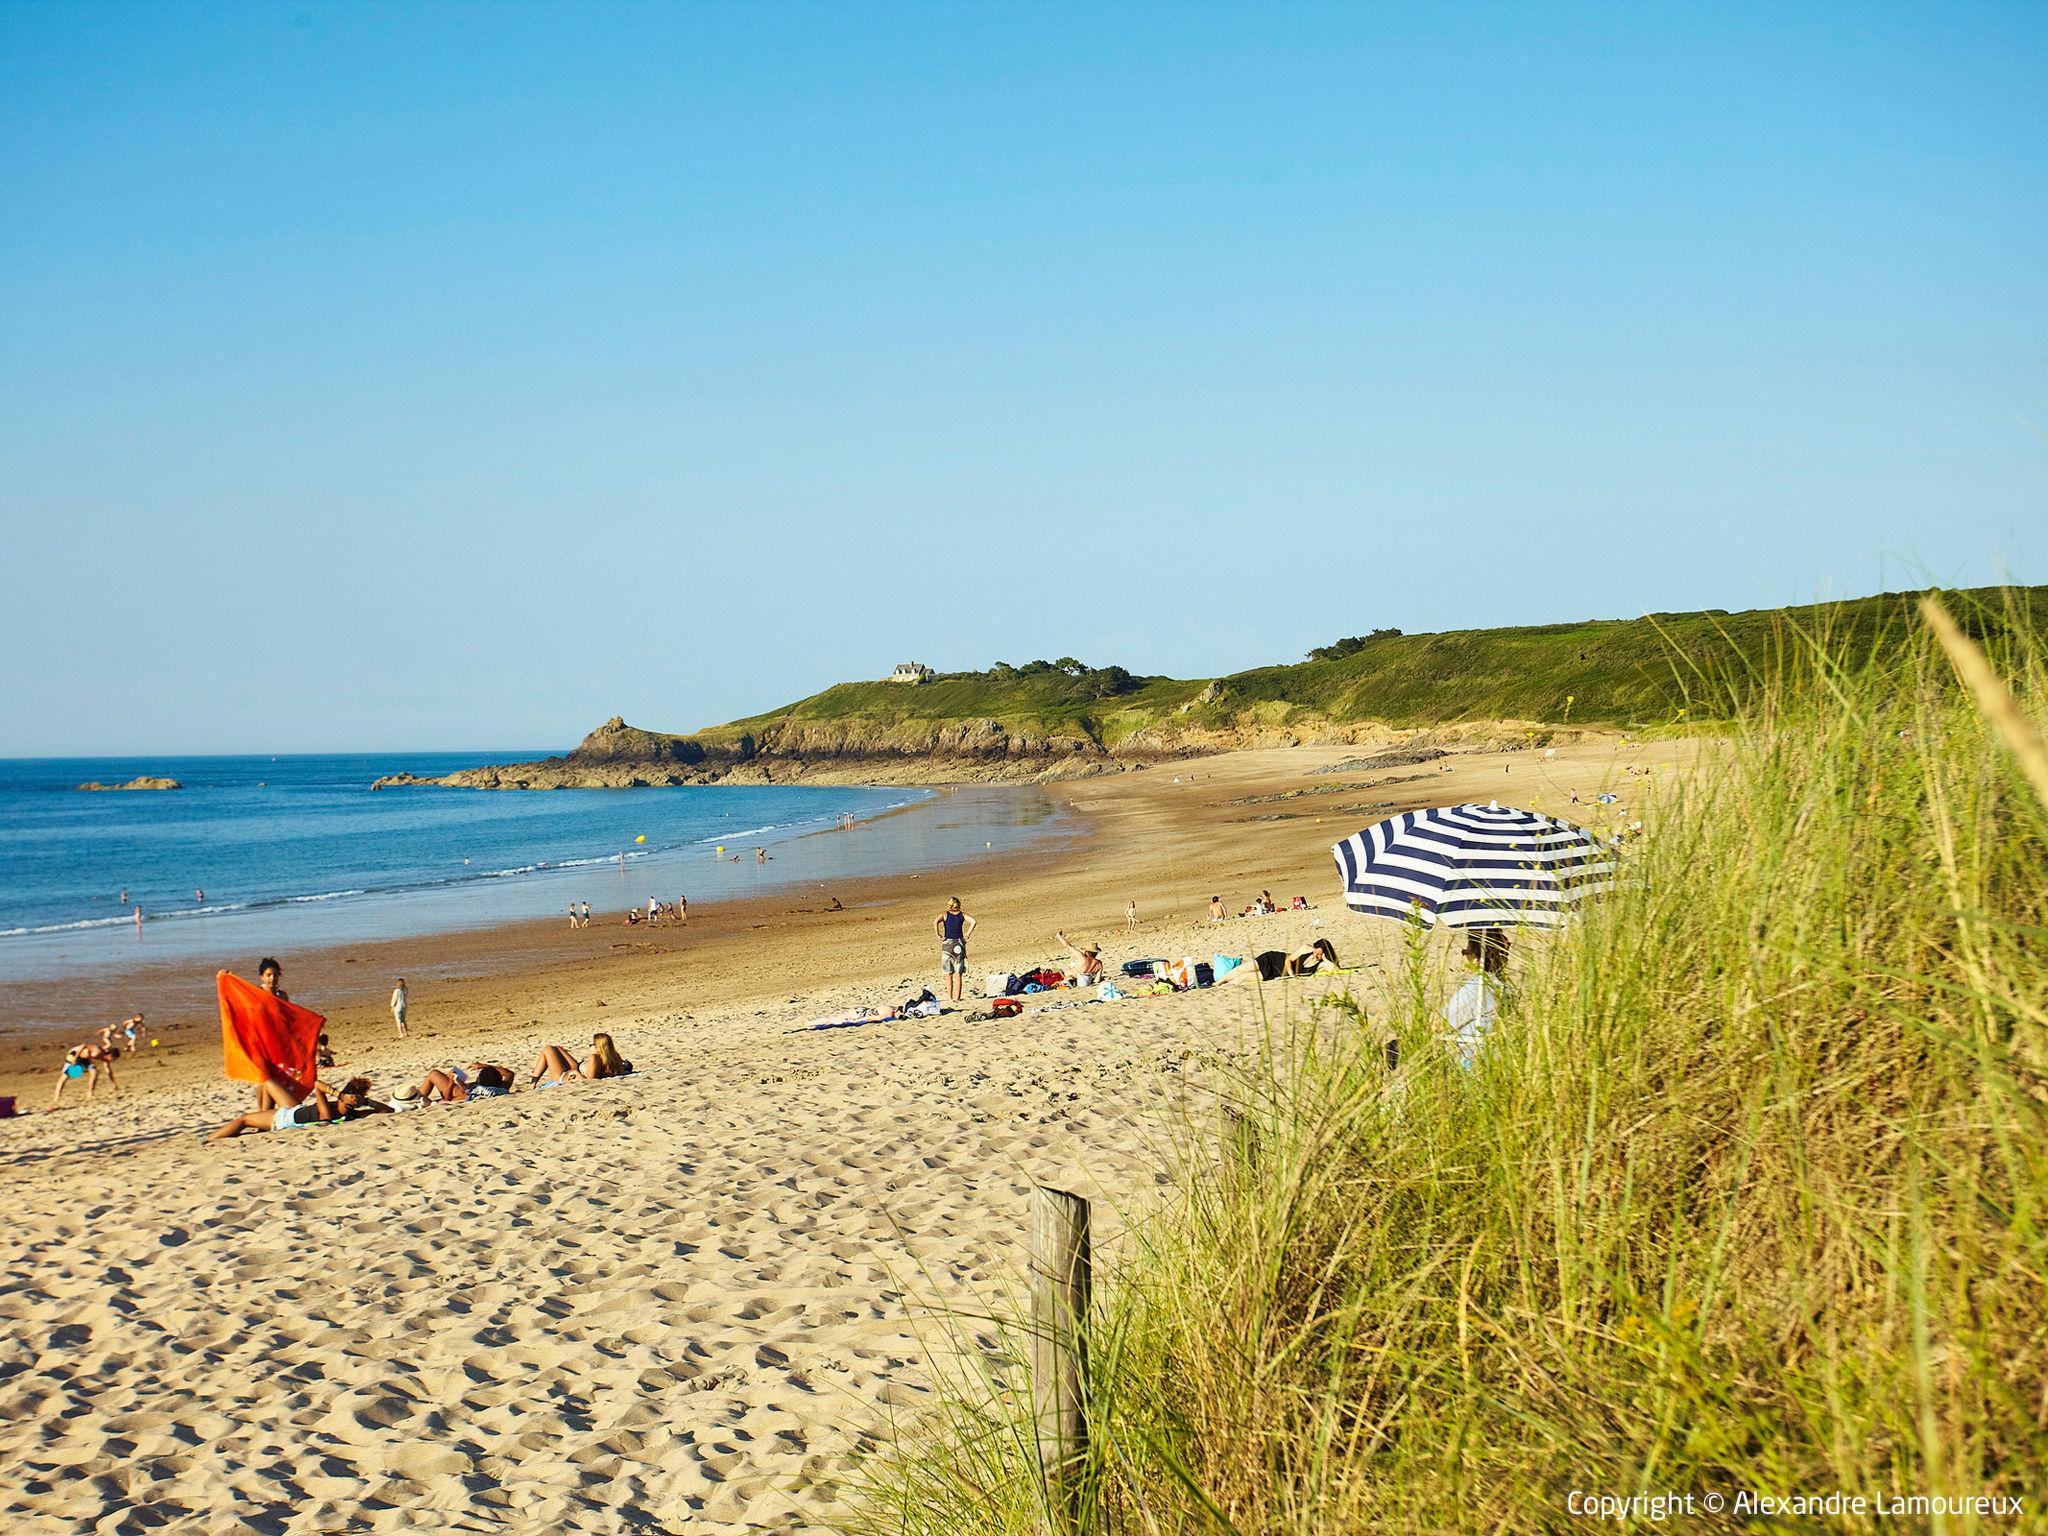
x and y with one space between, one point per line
999 984
1205 975
1181 973
1005 1007
1140 967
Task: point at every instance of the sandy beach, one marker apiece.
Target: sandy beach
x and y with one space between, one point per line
683 1300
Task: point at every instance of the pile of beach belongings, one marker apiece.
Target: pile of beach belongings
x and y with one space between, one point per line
1158 978
1015 984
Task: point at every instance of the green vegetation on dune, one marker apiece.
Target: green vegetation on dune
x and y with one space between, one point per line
1746 1194
1629 673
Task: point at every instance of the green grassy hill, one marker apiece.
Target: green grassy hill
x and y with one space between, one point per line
1629 672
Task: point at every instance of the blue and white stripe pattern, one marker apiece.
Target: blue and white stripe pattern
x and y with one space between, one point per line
1473 866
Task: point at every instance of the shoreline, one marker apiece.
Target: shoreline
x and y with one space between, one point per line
335 979
1160 837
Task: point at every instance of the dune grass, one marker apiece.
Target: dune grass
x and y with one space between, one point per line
1747 1195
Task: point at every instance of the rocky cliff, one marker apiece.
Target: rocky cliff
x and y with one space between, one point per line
144 781
621 756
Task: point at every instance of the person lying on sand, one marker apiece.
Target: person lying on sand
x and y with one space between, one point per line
1271 963
557 1066
87 1061
1090 956
287 1108
476 1080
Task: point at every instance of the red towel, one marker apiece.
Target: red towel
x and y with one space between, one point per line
262 1035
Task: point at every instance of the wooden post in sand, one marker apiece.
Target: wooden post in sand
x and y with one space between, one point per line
1061 1279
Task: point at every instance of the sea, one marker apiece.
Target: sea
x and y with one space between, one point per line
269 854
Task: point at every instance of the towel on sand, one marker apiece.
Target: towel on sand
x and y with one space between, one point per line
261 1033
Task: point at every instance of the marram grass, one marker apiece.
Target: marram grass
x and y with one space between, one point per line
1747 1196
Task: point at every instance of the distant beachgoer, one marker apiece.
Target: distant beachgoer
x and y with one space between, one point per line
1216 912
323 1053
760 855
632 917
836 905
1131 915
138 917
572 914
650 909
199 898
124 898
399 999
270 977
1090 956
586 914
682 909
1475 1006
87 1061
953 926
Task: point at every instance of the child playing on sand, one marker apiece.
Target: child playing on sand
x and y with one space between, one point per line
87 1061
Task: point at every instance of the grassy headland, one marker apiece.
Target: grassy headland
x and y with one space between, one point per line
1063 716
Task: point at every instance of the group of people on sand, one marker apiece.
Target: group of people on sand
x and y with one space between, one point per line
677 911
1261 905
94 1059
1469 1015
282 1106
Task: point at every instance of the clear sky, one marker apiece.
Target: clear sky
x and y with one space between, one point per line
379 376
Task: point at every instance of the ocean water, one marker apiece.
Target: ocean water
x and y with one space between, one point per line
293 852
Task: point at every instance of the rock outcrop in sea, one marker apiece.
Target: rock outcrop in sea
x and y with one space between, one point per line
143 781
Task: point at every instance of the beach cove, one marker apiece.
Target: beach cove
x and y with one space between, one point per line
684 1299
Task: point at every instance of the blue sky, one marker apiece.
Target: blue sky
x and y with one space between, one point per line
445 376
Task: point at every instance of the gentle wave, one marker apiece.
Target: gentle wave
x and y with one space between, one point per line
467 877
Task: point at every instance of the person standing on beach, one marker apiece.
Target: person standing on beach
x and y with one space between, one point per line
572 914
586 914
138 917
1131 915
399 999
953 926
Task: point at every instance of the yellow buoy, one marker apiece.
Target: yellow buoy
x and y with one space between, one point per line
641 838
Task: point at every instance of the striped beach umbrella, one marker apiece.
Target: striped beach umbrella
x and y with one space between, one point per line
1473 866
